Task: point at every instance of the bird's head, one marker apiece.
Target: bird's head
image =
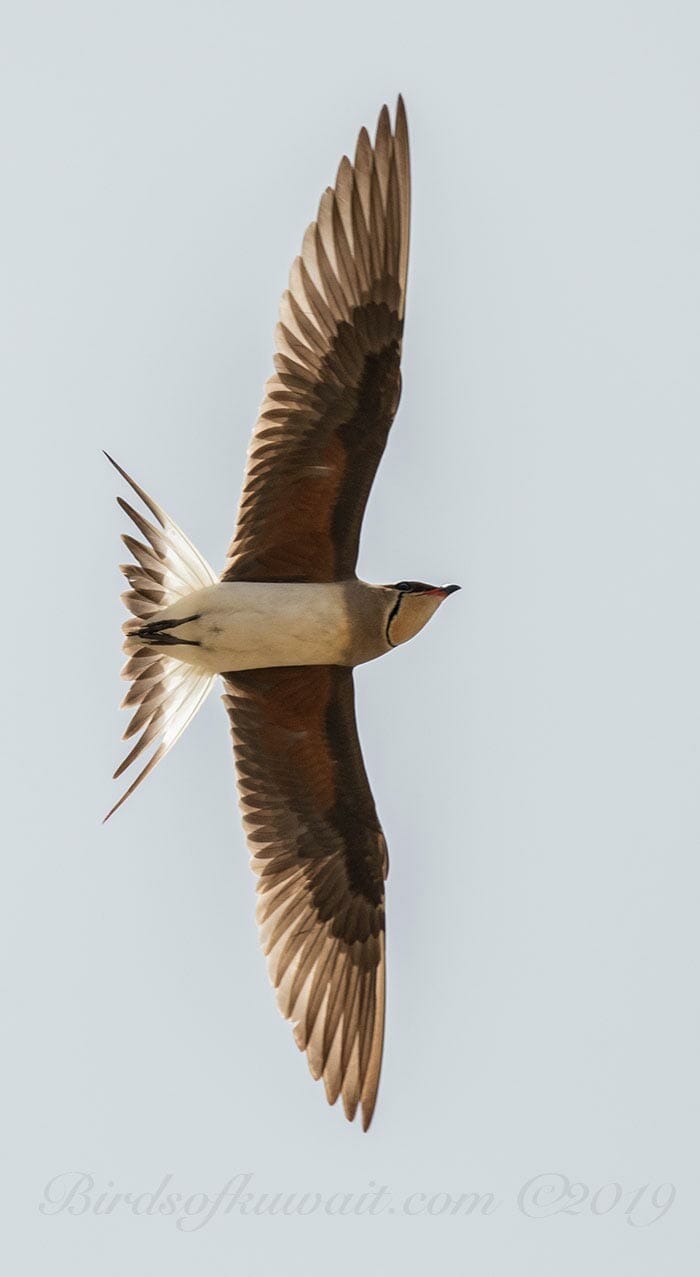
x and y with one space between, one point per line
411 605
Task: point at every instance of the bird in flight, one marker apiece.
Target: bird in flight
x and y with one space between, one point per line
288 619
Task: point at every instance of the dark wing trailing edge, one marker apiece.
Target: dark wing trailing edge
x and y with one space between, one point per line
327 411
319 851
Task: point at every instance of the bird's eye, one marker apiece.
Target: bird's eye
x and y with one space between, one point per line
402 586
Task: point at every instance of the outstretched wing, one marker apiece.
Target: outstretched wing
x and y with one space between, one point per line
327 411
318 848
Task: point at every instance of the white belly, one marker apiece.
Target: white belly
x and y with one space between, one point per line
249 625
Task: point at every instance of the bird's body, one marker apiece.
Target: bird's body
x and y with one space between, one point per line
247 625
288 619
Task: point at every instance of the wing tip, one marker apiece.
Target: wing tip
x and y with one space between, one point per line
367 1107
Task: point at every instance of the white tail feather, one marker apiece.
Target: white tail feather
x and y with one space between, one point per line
165 694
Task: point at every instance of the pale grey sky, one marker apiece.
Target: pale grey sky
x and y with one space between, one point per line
534 753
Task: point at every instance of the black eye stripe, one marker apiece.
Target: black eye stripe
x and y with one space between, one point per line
412 587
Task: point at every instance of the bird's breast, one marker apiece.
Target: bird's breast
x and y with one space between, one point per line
252 625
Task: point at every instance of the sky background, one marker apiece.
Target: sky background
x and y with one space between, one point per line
534 753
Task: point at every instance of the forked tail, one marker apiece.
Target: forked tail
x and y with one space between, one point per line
165 693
